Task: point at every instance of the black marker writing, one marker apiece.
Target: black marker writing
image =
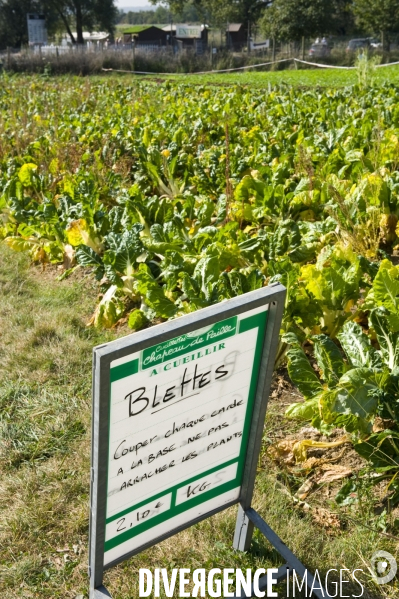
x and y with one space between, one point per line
139 399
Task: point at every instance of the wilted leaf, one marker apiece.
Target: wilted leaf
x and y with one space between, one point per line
334 472
305 488
109 310
300 447
326 519
19 244
69 256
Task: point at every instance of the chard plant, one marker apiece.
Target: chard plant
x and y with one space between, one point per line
355 384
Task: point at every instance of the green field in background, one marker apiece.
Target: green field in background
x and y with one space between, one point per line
296 77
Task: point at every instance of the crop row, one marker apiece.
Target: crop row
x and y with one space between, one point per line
177 197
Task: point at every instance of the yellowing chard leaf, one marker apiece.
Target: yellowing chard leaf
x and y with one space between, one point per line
26 173
75 230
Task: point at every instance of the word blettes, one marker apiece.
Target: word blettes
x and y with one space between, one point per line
140 399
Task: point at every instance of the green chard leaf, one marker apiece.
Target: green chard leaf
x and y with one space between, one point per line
357 347
389 341
329 359
156 299
386 286
305 410
381 449
137 320
357 393
85 256
301 372
207 274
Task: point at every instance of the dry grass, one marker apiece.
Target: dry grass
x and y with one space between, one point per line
160 60
44 462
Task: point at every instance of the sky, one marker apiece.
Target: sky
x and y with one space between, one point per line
132 4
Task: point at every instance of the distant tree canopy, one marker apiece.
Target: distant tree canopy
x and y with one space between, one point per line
342 17
61 15
294 19
281 19
161 15
377 16
284 19
13 21
221 12
84 15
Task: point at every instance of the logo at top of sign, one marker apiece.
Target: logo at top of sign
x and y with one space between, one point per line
199 332
184 344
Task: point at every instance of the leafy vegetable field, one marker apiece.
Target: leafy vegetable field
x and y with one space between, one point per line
291 76
180 196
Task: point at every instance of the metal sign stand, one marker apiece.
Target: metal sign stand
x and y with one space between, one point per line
272 297
246 520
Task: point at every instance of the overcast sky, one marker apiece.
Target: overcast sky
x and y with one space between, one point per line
132 3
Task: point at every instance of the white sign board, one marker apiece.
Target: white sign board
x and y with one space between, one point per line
260 45
37 32
176 429
188 31
173 411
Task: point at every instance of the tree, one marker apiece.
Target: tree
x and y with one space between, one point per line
343 19
85 14
221 12
294 19
66 14
13 21
377 16
147 17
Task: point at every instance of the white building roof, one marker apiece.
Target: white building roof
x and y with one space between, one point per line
94 36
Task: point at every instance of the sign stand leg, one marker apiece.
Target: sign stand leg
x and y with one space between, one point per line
246 520
99 593
244 530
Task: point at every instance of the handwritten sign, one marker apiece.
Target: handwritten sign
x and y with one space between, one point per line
178 411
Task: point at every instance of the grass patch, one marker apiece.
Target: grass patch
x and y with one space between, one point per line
37 423
298 78
45 404
317 77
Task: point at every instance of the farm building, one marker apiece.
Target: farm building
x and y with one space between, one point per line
236 36
145 35
188 36
94 37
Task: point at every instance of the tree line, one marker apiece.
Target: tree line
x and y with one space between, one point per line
160 15
62 16
280 19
